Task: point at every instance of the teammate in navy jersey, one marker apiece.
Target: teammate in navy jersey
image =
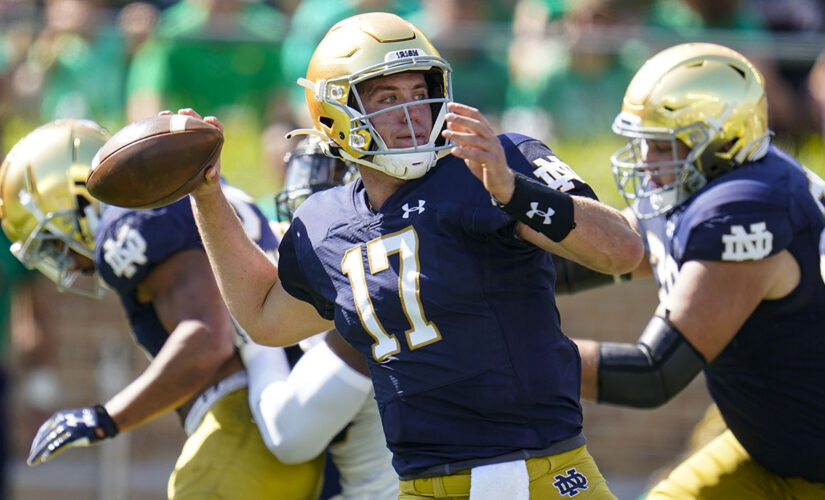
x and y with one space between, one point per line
447 290
155 262
732 226
327 401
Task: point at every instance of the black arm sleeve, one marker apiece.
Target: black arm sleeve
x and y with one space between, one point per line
572 277
647 374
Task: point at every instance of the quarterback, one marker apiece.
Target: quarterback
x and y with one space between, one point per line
435 264
155 262
731 224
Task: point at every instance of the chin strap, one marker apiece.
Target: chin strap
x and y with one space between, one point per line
755 150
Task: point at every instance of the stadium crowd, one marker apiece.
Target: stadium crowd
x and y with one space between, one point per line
554 69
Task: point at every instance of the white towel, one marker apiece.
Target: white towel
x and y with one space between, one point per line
496 481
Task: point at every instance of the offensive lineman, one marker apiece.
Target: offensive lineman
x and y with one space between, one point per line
732 227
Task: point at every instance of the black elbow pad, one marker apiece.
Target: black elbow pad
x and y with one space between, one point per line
572 277
647 374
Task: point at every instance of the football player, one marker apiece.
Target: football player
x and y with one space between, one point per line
327 402
155 262
732 226
446 291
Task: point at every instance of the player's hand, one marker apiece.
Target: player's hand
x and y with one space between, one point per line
212 175
478 145
68 428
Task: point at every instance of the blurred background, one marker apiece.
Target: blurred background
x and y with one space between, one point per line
553 69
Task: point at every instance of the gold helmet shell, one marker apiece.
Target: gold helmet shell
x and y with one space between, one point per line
369 46
708 97
45 209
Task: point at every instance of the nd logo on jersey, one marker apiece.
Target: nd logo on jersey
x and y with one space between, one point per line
742 245
126 252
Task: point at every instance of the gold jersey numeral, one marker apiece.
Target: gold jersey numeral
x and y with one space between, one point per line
405 244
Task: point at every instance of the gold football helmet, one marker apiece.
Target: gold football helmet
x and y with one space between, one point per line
368 46
45 209
708 97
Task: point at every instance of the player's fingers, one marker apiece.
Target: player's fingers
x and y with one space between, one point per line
468 139
34 453
468 122
165 112
459 123
468 111
473 154
189 112
39 452
457 107
34 459
212 120
211 175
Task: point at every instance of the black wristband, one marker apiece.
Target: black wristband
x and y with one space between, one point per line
105 422
540 207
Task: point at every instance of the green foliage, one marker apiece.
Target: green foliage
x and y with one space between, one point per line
243 163
809 150
591 160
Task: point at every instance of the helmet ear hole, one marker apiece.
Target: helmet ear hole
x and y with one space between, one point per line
326 121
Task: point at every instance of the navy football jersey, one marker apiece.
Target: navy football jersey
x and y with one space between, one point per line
130 243
769 382
455 314
822 255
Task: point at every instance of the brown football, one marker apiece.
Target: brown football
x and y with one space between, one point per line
153 162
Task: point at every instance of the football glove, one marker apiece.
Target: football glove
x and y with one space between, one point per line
67 428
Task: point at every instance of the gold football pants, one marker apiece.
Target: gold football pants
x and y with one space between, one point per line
225 458
723 470
566 475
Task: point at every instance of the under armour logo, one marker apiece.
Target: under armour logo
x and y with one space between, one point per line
571 483
86 418
534 205
408 210
123 253
741 245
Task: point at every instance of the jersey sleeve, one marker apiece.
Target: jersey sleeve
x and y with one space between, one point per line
295 258
741 221
132 242
533 159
